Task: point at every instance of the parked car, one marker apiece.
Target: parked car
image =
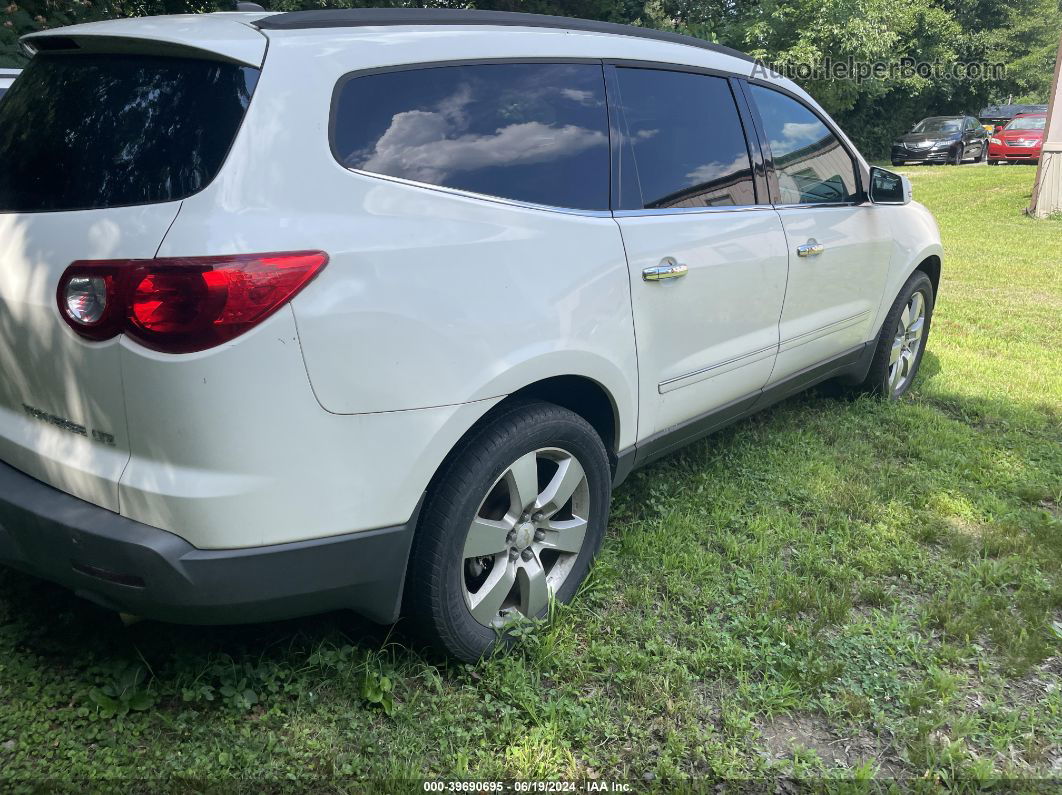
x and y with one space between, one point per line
995 117
7 77
941 139
378 320
1020 141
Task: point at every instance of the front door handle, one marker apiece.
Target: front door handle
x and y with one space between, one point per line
810 249
668 268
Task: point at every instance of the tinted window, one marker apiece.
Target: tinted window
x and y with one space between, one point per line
531 132
683 145
936 125
90 131
1028 123
809 161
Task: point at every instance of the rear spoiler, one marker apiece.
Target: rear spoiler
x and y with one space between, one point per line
221 37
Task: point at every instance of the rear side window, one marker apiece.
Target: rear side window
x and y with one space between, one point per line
811 164
683 144
531 132
89 131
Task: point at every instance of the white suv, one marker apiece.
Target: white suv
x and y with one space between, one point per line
371 309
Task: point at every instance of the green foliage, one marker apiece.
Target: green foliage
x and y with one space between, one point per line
123 690
1023 35
376 689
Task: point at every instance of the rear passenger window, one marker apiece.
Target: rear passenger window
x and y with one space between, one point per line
531 132
683 144
811 165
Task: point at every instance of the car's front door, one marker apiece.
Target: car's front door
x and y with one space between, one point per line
839 245
707 264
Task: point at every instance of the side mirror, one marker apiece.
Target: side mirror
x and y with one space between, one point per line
888 188
998 128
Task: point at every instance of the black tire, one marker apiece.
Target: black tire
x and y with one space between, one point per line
956 159
993 162
982 154
897 163
436 581
877 380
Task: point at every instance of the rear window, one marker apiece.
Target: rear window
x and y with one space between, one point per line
89 131
531 132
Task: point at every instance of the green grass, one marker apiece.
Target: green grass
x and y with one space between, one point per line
832 588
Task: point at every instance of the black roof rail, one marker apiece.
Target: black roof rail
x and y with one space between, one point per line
362 17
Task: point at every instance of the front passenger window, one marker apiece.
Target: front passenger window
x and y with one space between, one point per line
811 164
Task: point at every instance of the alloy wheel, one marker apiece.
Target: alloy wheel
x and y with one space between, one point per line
526 536
907 343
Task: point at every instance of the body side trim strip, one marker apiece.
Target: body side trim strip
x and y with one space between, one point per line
663 442
810 336
716 369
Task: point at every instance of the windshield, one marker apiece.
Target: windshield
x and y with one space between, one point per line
88 131
1029 123
938 126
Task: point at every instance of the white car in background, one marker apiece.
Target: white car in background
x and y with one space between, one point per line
372 308
7 77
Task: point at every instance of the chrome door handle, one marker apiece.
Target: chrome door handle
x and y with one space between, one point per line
668 268
810 249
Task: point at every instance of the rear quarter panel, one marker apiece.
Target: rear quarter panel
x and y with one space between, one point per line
430 298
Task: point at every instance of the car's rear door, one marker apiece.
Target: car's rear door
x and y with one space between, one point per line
839 244
707 262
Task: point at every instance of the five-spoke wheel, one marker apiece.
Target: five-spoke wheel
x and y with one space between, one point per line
512 523
525 536
907 343
902 341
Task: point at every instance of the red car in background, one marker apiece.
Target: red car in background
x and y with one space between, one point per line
1020 141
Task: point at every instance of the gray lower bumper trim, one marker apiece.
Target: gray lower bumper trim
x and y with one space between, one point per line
133 568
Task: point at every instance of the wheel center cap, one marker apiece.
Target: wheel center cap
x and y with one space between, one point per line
525 534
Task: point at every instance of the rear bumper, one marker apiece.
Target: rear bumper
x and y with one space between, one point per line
130 567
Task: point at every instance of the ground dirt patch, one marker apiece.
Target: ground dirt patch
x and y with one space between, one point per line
785 735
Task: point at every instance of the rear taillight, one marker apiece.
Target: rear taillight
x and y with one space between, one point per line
181 304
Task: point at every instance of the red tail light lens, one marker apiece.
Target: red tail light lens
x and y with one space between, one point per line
181 305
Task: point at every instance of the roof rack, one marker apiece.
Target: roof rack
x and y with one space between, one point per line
362 17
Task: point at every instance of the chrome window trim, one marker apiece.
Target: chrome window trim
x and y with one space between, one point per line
737 208
810 205
467 194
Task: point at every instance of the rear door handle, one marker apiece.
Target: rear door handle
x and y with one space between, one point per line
668 268
810 249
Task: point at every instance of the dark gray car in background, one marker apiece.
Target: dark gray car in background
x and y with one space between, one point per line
942 139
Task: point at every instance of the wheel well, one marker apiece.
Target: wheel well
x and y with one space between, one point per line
931 267
585 397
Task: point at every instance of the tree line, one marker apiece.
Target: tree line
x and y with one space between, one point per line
1022 35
